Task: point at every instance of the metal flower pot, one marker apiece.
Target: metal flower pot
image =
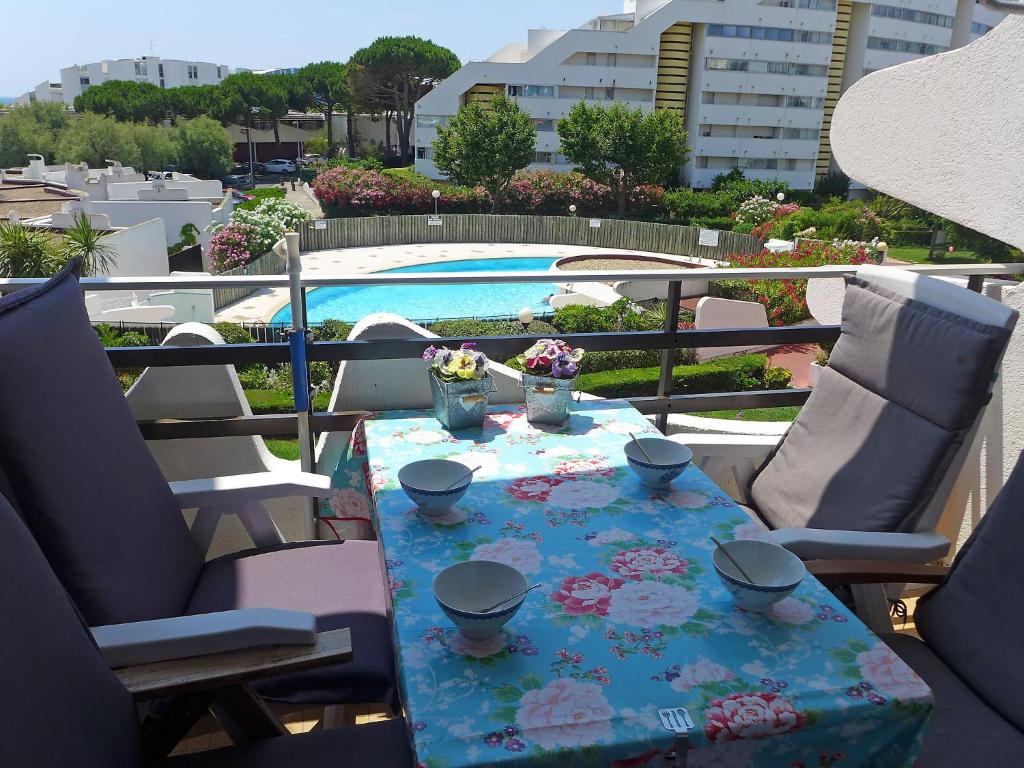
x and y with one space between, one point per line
547 398
461 404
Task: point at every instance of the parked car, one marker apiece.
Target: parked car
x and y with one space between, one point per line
242 169
237 181
280 166
310 159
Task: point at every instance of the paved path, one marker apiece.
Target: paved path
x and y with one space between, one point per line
301 199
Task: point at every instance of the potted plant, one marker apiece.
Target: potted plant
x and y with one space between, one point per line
459 383
550 369
820 361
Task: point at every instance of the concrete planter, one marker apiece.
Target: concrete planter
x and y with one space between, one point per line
814 374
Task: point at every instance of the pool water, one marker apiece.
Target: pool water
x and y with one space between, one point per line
428 302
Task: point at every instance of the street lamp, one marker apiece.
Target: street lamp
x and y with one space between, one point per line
883 248
525 317
572 209
780 197
436 194
252 166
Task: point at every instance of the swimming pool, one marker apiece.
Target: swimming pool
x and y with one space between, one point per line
429 302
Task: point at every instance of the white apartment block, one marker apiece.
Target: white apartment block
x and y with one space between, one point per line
755 81
166 73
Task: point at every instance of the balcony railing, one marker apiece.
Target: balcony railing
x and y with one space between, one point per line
305 350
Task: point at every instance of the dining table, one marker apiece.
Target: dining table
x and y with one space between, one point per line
631 621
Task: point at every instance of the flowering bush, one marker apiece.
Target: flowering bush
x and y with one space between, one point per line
462 364
756 210
552 357
785 300
347 191
231 247
250 234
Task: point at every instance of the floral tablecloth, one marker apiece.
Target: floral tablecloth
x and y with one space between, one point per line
631 618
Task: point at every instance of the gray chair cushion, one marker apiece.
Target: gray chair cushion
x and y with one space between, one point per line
81 475
904 385
341 583
975 620
964 730
382 745
851 460
63 705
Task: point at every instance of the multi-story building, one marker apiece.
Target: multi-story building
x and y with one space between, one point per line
756 82
167 73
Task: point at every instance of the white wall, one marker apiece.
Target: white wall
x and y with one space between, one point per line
197 189
125 213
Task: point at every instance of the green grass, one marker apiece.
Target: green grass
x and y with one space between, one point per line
727 374
784 413
260 194
283 449
264 401
918 254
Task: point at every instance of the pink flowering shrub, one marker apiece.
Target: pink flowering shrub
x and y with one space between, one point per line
358 192
233 247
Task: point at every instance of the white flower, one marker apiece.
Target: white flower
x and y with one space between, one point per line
565 713
582 494
890 674
651 604
611 536
792 611
521 555
703 670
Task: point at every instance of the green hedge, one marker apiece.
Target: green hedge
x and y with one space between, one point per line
728 374
263 401
469 327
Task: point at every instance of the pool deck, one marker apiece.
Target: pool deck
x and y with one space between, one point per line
262 305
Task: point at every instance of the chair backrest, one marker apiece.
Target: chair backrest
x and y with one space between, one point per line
975 619
885 432
79 471
63 705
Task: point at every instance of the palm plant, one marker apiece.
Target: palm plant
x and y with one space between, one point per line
83 241
26 252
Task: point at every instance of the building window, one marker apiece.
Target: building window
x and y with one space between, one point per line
160 70
543 126
140 69
431 121
104 68
513 90
979 29
84 82
707 97
766 67
805 102
588 93
613 59
220 73
193 72
705 130
800 133
909 14
609 94
769 33
421 153
904 46
817 5
591 59
538 91
543 157
701 161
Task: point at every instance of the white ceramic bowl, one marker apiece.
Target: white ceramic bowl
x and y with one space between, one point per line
668 459
463 589
775 571
426 483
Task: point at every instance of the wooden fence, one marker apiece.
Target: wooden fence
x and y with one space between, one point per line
267 264
373 231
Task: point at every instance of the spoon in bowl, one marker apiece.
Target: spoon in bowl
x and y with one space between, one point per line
468 474
508 599
732 560
641 448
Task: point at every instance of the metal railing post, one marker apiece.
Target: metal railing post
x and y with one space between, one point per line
675 291
300 370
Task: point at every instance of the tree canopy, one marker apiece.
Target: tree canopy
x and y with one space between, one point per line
324 86
395 72
204 148
486 145
125 100
623 147
246 96
94 139
32 129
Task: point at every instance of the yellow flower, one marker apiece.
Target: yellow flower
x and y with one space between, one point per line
462 365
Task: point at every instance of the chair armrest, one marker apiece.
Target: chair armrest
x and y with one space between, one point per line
833 573
727 446
821 544
181 637
208 673
240 489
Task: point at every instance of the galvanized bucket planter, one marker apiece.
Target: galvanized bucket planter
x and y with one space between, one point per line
461 404
547 399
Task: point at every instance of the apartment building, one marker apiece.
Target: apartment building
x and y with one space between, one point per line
167 73
755 81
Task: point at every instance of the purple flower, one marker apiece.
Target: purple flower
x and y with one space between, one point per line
468 345
493 739
563 366
430 352
515 745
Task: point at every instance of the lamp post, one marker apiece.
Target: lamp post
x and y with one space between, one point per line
780 197
525 317
883 248
436 194
253 111
572 209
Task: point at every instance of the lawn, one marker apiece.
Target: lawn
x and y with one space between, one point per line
283 449
918 254
784 413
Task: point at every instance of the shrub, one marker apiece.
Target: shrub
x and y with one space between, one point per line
232 247
455 328
736 184
581 319
777 378
258 196
233 333
756 210
685 205
332 330
728 374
